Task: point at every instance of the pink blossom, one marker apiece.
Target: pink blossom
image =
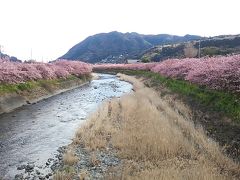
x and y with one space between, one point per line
11 72
220 73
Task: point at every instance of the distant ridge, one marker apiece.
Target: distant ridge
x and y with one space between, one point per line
116 46
6 57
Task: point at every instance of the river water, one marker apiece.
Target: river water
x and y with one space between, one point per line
33 133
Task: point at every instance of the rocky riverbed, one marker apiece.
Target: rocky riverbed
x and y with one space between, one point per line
93 164
30 136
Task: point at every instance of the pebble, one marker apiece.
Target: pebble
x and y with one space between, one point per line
21 167
41 177
19 176
29 167
28 102
38 172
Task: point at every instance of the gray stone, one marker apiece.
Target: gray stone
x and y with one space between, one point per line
18 176
29 167
50 159
41 177
21 167
38 172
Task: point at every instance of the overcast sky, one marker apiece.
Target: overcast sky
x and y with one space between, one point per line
51 27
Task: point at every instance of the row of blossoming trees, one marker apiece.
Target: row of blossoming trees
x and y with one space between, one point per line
221 73
11 72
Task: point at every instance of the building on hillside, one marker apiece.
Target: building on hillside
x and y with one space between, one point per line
133 61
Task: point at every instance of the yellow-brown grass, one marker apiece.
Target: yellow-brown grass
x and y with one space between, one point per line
154 139
136 84
94 160
83 175
62 176
69 158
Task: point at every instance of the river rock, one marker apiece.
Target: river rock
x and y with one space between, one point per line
18 176
41 177
60 157
28 102
55 166
38 172
29 167
27 177
21 167
50 159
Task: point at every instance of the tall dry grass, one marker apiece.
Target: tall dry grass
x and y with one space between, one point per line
154 139
62 176
136 84
69 158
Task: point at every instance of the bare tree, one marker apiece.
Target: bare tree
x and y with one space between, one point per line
190 51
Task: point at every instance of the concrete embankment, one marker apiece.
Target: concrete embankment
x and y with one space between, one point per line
43 90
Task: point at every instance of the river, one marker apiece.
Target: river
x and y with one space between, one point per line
33 133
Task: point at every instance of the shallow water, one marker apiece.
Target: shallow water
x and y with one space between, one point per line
33 133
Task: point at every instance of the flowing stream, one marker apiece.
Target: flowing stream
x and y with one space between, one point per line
33 133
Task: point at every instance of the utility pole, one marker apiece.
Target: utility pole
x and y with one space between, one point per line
0 51
31 54
199 49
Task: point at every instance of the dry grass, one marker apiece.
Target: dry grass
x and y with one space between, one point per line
94 160
83 175
136 84
69 158
62 176
155 140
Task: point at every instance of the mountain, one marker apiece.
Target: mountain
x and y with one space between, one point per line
116 46
213 46
9 58
162 39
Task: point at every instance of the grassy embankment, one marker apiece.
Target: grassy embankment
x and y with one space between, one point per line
30 85
223 102
152 140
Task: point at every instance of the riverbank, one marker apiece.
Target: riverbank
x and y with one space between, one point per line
147 135
30 136
13 96
217 112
